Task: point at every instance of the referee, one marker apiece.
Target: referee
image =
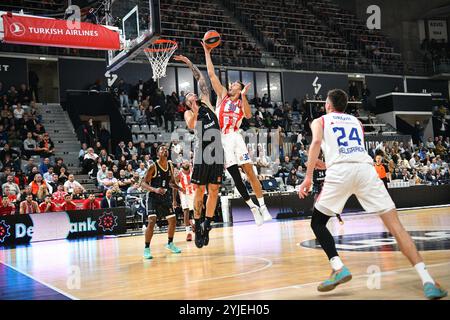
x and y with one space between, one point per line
382 170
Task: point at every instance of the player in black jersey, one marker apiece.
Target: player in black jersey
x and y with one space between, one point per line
160 183
208 152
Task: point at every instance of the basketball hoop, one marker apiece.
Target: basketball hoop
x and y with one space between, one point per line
158 54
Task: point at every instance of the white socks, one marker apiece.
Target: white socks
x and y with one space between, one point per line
423 273
261 201
188 229
336 263
250 203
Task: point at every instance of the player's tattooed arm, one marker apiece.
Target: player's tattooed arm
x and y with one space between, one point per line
198 75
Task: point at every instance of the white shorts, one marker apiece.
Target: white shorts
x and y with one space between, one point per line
234 149
361 179
187 201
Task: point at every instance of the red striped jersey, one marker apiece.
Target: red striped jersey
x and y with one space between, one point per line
230 114
185 181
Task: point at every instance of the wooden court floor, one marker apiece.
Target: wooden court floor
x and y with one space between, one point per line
241 262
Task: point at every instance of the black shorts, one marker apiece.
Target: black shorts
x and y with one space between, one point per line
204 174
160 206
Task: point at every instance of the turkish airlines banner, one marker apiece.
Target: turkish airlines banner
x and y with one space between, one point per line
56 33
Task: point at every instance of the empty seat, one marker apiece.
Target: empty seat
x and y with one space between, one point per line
135 138
135 129
150 138
153 128
129 119
145 128
141 137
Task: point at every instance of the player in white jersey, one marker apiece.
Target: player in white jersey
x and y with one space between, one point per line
350 171
186 196
231 107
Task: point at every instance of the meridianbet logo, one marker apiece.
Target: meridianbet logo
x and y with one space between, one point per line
383 241
4 231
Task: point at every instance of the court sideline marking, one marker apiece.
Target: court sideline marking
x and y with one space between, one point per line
68 295
299 286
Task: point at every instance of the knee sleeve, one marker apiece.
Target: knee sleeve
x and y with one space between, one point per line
234 172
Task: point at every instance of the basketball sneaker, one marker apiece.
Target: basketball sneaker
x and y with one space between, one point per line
336 278
434 291
265 213
173 248
147 254
205 234
189 236
257 216
198 238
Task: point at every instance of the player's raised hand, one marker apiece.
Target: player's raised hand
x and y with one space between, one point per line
182 59
207 49
304 188
246 88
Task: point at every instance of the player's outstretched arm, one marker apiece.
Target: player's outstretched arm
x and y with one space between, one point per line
219 89
205 92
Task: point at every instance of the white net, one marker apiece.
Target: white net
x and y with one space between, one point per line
158 54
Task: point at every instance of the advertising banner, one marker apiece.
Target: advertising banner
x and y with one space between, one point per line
57 33
28 228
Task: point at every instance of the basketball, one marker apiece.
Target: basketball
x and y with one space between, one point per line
211 39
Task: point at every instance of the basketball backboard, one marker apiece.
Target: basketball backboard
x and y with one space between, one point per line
139 24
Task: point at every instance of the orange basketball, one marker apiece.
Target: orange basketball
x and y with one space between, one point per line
211 39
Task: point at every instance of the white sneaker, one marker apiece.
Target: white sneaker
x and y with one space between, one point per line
257 216
265 213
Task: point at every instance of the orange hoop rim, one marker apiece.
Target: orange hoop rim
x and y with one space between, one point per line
161 41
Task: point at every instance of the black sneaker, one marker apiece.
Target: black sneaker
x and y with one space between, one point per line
205 234
198 238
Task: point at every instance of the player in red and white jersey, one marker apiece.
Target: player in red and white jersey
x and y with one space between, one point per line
186 196
231 108
350 171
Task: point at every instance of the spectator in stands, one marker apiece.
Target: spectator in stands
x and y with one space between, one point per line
284 169
108 201
48 205
18 114
8 154
59 195
122 150
132 149
71 184
170 112
101 175
91 203
54 181
13 187
20 179
430 144
123 89
14 138
123 181
46 147
142 170
78 194
89 160
6 207
109 181
29 145
265 102
29 206
68 204
63 176
292 179
82 152
43 167
37 183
